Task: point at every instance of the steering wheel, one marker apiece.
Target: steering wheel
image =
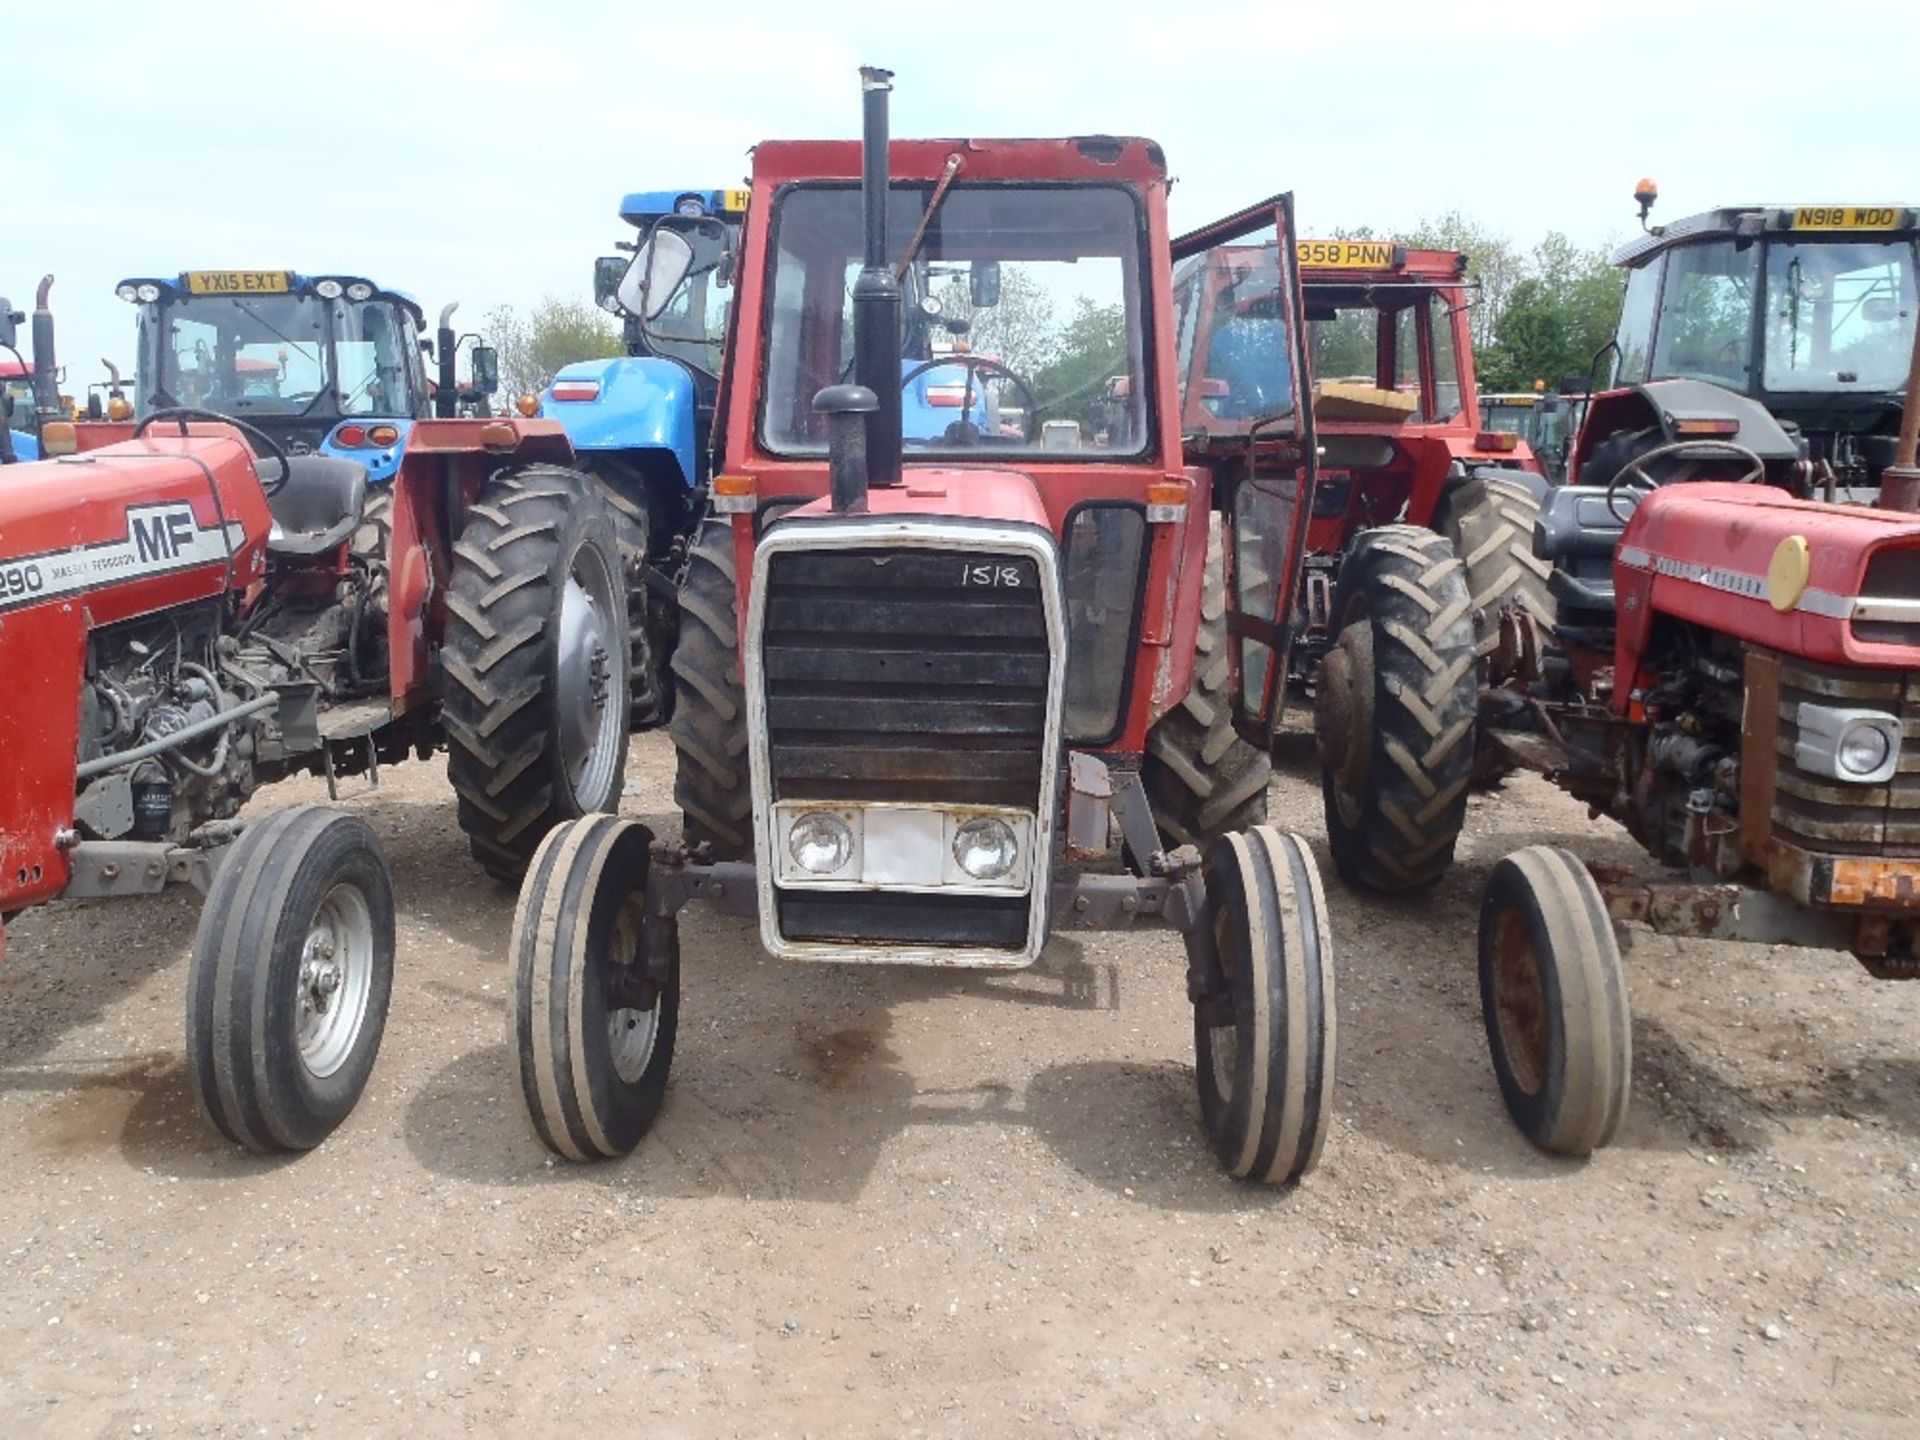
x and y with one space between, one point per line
978 367
275 451
1635 476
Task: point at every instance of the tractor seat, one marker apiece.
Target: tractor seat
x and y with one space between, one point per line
1577 531
318 506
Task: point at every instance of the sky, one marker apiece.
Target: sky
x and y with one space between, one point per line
478 152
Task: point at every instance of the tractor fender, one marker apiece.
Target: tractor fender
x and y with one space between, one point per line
380 463
630 403
1659 404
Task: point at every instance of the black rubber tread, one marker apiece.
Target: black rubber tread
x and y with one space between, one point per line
1408 587
1577 1104
1488 519
566 932
1276 954
711 783
501 704
243 1052
633 528
1202 779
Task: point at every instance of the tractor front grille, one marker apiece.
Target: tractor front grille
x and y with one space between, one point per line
1824 815
889 677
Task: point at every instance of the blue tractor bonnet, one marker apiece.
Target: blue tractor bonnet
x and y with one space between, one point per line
628 403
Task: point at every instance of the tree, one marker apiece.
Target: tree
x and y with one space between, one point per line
1493 262
1555 319
1091 349
533 347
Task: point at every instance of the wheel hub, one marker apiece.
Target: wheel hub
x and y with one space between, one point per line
591 720
335 980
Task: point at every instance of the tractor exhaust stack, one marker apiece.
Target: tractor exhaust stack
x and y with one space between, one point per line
1900 481
876 293
446 345
46 380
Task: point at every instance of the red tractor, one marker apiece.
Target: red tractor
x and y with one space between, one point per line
1421 526
920 679
185 620
1731 664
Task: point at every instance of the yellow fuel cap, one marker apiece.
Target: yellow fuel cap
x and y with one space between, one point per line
1787 573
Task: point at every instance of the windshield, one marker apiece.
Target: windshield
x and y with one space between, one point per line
1840 315
1021 325
1376 335
270 355
693 325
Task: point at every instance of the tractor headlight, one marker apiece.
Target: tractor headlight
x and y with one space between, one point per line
128 293
329 289
147 293
359 290
1858 746
820 842
985 847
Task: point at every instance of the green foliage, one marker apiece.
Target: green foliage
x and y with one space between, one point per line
1091 349
558 332
1554 320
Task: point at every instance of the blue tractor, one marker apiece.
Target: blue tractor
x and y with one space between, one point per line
642 422
328 364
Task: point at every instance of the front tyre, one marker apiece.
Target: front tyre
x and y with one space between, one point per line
1554 998
590 1033
290 979
711 781
1264 1041
536 660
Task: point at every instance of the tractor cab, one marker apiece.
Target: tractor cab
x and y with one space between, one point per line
327 363
1804 313
16 407
1546 422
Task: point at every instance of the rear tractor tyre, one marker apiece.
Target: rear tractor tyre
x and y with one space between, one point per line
1489 520
1264 1050
623 487
291 974
536 663
709 727
591 1047
1394 710
1202 779
1554 999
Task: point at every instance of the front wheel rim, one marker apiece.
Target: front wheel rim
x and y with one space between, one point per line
1519 1003
335 980
591 716
632 1033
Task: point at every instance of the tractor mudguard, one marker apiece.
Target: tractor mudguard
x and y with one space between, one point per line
633 402
1662 403
381 462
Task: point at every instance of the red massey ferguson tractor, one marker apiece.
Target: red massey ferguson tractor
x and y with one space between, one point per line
915 689
183 621
1731 664
1410 484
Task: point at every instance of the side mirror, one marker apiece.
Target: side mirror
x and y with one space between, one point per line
983 283
656 272
426 348
485 361
1880 310
608 271
10 323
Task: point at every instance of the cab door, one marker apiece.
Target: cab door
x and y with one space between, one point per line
1247 417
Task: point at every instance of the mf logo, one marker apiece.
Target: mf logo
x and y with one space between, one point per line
161 534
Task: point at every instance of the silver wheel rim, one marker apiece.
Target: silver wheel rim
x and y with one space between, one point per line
1223 1041
591 715
631 1034
335 980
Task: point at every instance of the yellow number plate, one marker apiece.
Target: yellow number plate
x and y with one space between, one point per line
1847 217
734 200
236 282
1347 254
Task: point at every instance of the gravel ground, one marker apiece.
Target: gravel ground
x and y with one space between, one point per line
899 1202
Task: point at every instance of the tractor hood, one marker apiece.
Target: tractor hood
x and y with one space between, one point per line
1833 583
960 493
